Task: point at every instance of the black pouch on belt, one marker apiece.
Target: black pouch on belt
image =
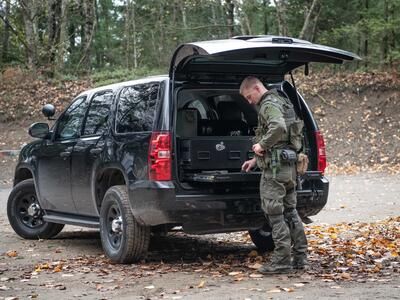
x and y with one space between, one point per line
288 155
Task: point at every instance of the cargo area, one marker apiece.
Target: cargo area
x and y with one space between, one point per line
214 136
215 129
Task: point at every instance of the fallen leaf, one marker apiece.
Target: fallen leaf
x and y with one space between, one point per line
5 279
57 269
255 266
299 284
256 275
149 287
201 284
253 253
234 273
289 290
274 291
345 276
12 253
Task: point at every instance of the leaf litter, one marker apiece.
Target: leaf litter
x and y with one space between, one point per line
358 252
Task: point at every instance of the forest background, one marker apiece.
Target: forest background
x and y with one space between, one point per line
51 50
118 39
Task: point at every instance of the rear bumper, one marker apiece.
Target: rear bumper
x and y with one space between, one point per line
156 203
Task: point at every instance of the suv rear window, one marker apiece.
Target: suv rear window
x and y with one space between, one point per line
136 108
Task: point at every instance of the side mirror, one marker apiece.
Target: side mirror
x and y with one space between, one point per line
48 110
39 130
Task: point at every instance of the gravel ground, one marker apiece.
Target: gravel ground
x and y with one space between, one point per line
352 198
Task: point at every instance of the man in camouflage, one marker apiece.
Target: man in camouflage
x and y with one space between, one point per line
278 180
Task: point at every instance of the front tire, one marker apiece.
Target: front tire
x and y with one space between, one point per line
262 238
123 239
25 214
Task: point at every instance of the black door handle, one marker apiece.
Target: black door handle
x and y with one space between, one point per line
65 154
79 148
96 150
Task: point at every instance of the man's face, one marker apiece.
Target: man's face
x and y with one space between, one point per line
251 94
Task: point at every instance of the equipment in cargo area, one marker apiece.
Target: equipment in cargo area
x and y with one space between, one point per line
215 159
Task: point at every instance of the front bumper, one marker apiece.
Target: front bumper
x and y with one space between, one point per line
155 203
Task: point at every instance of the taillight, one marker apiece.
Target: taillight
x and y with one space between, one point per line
321 152
160 156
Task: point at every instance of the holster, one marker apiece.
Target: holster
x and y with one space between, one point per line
302 163
288 155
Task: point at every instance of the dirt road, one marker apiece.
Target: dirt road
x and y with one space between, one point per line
72 265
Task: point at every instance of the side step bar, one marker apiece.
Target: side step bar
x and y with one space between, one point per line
84 221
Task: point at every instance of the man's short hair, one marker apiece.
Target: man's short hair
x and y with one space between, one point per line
248 82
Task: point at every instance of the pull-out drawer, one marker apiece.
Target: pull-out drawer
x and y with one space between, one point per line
214 153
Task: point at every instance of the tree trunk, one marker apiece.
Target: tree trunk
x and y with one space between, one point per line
99 47
244 21
230 7
128 34
6 34
315 22
72 29
265 7
135 52
385 39
63 36
88 32
366 38
53 28
184 21
29 13
281 16
306 31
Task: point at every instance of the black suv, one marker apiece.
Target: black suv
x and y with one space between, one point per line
145 156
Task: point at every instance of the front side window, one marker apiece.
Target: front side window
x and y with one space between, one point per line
136 108
69 125
98 113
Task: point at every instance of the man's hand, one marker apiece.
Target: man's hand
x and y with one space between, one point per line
249 164
258 150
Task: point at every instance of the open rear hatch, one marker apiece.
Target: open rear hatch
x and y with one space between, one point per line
260 56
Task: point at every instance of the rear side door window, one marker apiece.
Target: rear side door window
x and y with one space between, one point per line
136 108
98 113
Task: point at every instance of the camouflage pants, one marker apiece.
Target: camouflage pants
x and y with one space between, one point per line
278 200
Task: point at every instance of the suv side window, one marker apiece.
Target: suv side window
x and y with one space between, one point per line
136 107
69 125
98 113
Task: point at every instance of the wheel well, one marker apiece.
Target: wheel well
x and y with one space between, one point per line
21 175
107 179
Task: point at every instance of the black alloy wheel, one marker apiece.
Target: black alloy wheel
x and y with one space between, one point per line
25 214
262 238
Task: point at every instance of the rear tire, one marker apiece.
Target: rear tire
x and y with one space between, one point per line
25 214
262 238
123 239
